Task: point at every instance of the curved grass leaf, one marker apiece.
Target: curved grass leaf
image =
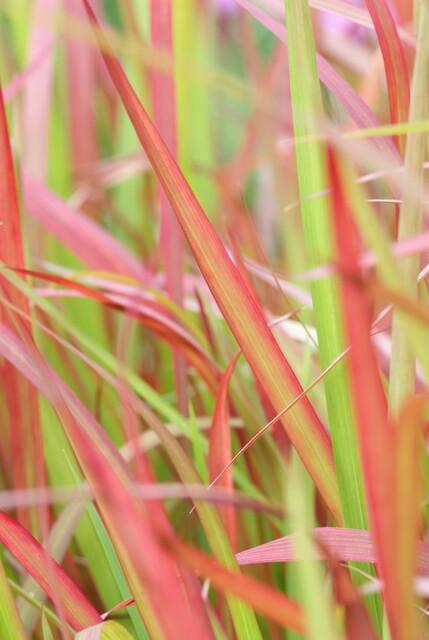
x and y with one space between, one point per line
49 575
394 59
349 545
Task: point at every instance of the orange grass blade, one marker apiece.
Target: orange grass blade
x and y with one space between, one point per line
243 314
376 434
409 489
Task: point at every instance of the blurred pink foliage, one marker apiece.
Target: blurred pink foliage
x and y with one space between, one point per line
226 7
337 25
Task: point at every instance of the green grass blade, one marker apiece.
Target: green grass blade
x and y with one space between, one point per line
11 627
317 599
308 112
402 370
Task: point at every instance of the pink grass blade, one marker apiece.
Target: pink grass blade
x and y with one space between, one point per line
19 397
164 115
153 576
81 85
47 573
243 315
348 545
376 435
38 95
92 244
398 82
220 452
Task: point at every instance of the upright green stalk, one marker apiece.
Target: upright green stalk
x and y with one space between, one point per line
402 369
192 39
317 599
11 627
308 112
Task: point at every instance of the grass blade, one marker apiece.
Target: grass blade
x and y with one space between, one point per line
402 373
245 319
220 446
349 545
376 435
11 626
263 598
50 576
308 112
20 398
104 631
394 59
164 113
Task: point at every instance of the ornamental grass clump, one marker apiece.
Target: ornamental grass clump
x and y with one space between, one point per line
213 319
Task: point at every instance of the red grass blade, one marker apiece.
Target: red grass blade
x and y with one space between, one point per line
398 81
376 434
48 574
220 446
152 315
25 458
244 316
164 113
266 600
